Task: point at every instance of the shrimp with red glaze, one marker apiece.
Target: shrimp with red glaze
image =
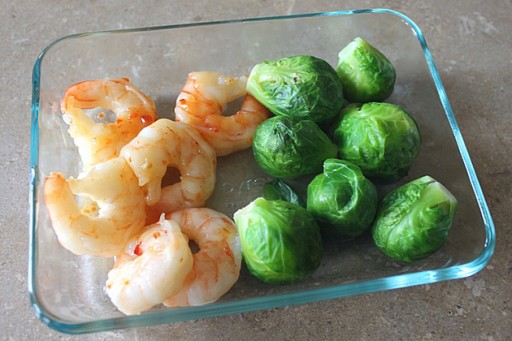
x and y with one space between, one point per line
109 210
201 103
217 262
101 137
164 144
152 267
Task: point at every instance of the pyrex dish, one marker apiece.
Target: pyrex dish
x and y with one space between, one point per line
67 291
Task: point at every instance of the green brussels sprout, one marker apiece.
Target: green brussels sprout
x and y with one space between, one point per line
381 138
277 189
301 86
281 241
342 200
366 74
287 147
413 221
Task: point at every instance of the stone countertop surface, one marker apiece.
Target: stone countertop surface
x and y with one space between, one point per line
472 47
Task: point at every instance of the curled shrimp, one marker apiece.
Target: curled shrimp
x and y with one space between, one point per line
164 144
201 102
114 209
217 263
102 140
152 267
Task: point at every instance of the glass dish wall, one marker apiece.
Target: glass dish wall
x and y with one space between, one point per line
67 291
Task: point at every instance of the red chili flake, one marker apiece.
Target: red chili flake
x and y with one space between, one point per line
147 119
229 252
138 249
156 235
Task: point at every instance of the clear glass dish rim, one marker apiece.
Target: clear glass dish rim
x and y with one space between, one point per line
348 289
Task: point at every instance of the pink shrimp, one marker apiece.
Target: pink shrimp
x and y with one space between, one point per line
114 210
164 144
201 102
217 263
152 267
102 138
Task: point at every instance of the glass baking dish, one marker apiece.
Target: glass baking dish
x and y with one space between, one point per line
67 291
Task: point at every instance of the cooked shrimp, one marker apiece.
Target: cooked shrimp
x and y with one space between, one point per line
152 267
201 102
164 144
216 264
102 140
101 227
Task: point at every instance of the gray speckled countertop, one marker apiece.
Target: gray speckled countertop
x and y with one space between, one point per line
472 47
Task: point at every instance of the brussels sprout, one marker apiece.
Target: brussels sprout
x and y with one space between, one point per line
381 138
281 241
413 221
341 199
301 86
277 189
366 74
286 147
